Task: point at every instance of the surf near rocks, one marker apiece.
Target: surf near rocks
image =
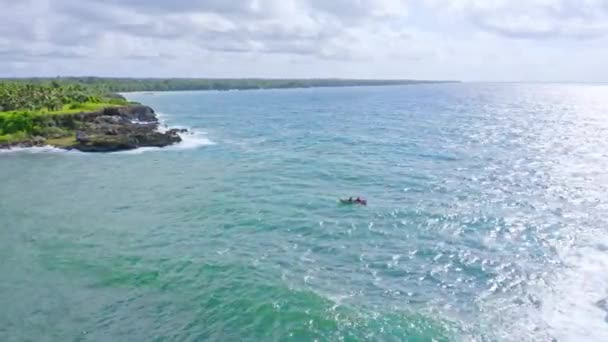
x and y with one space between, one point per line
108 130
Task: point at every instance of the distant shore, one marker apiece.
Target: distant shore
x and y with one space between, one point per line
89 114
126 85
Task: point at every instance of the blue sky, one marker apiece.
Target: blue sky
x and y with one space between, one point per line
471 40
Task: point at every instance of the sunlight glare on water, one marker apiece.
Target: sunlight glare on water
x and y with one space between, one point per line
486 220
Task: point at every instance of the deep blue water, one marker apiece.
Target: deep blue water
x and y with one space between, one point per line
486 221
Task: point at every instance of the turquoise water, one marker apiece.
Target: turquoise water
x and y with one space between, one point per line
486 221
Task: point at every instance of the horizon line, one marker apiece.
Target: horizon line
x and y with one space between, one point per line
300 79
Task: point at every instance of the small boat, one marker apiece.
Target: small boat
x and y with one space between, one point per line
351 200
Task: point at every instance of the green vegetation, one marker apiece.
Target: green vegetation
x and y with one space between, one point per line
24 106
62 142
13 138
158 84
51 96
20 126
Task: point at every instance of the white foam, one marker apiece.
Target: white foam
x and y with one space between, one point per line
38 149
193 140
161 116
138 150
573 308
139 122
190 140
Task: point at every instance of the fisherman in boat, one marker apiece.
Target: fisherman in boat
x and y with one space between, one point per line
357 200
361 201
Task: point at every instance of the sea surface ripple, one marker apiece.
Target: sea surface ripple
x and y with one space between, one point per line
486 220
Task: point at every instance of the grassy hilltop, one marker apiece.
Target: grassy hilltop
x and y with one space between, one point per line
24 106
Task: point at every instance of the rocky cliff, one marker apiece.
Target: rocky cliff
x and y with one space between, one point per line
107 130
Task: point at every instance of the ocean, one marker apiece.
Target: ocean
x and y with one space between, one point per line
486 220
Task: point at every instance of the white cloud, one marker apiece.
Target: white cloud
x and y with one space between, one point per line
463 39
539 18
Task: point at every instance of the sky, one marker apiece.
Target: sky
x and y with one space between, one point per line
468 40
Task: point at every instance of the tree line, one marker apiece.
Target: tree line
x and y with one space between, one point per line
158 84
49 95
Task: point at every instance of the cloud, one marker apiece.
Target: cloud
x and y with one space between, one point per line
300 38
540 19
316 28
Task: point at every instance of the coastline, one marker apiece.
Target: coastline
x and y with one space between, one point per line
110 129
126 85
92 115
153 91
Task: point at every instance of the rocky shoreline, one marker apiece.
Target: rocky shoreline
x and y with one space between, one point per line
108 130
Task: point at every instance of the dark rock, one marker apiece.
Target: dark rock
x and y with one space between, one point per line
107 130
177 130
111 143
38 141
113 120
34 141
133 113
123 128
158 139
82 137
111 131
106 143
